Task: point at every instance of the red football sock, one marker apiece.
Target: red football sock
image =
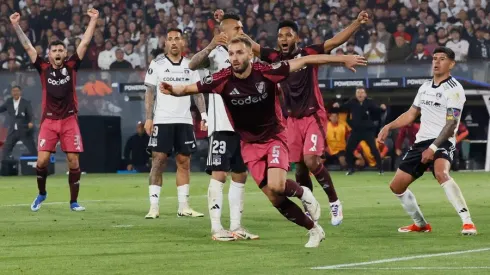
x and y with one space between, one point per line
294 213
323 177
303 178
74 182
293 189
42 175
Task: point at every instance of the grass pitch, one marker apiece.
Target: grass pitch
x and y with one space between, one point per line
112 236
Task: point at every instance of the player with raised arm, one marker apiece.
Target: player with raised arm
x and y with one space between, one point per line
169 124
251 96
304 102
59 107
224 144
440 103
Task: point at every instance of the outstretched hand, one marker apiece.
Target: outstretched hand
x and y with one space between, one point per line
15 18
383 134
354 60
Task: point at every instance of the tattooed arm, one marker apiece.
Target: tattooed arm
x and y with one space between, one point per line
201 106
201 60
26 43
149 105
448 130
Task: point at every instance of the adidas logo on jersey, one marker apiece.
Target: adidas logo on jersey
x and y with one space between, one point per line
235 92
167 71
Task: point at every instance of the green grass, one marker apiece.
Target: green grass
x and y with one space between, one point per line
58 241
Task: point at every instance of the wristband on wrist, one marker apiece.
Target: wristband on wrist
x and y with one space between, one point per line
433 147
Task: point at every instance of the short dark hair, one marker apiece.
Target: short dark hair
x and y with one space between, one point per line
56 43
361 87
16 87
175 30
241 40
288 23
450 53
230 15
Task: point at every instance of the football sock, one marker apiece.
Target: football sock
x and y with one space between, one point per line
410 205
323 177
294 213
303 178
236 196
183 196
293 189
42 174
74 182
215 203
456 198
154 194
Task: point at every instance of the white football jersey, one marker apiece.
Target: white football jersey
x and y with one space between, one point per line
433 102
169 109
217 116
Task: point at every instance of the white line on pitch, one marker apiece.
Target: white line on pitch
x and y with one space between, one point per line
417 268
339 266
122 225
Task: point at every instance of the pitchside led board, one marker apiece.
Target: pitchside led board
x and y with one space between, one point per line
135 91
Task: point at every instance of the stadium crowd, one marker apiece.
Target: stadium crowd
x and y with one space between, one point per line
129 30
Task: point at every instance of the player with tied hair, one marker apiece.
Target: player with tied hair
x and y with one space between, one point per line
440 103
250 94
59 107
169 124
224 143
304 102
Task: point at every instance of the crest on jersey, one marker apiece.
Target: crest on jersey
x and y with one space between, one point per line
276 65
186 71
260 86
438 95
150 71
64 72
207 80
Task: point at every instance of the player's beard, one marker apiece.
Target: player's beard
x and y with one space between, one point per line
242 68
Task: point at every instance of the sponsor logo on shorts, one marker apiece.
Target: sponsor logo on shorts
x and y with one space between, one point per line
216 160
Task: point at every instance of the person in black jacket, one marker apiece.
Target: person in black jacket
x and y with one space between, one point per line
362 111
135 153
21 124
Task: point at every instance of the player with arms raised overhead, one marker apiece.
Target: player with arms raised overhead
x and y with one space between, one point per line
59 107
304 101
224 144
169 124
250 94
440 103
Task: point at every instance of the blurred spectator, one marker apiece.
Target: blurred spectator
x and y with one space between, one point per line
132 57
135 153
431 43
458 45
406 136
400 51
364 156
107 56
479 47
336 134
442 38
461 134
120 62
95 87
420 55
400 31
375 51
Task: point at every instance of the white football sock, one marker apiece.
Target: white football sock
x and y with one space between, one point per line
183 196
456 198
410 205
236 196
215 203
154 194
